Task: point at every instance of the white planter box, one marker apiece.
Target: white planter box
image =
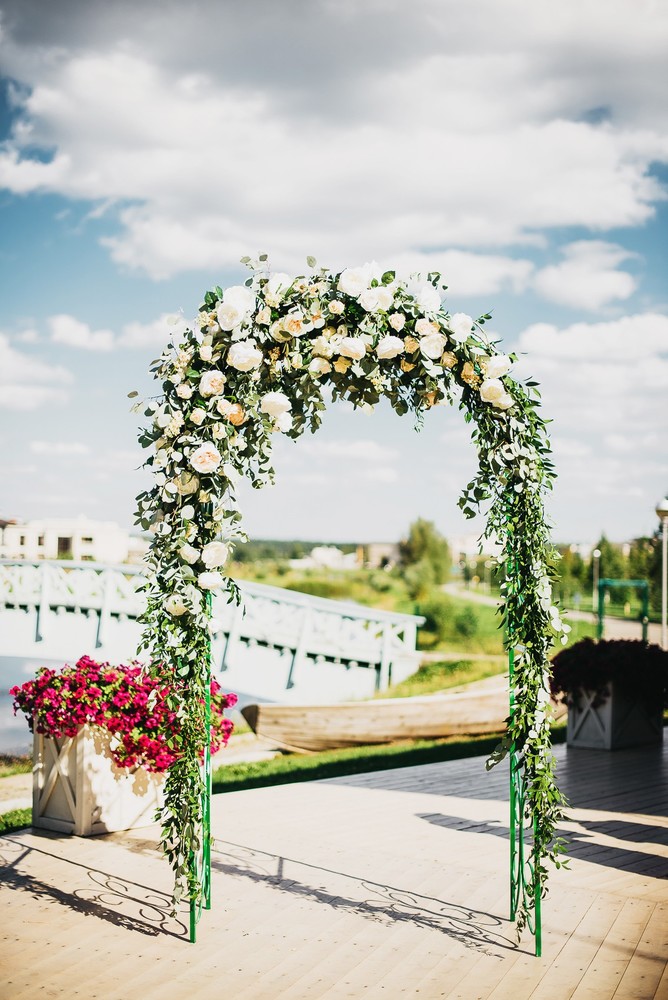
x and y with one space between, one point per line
616 723
78 789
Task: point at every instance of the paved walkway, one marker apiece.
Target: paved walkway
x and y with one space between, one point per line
386 885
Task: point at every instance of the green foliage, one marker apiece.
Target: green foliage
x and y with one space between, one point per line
443 674
14 764
426 547
438 611
466 623
15 819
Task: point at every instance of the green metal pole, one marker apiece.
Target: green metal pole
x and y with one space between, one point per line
513 801
601 610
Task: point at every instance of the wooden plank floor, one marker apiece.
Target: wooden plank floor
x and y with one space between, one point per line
387 885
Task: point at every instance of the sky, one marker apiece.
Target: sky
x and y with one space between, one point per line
146 147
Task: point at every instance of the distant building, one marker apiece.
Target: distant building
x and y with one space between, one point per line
379 555
326 557
79 539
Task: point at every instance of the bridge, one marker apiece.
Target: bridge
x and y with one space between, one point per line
278 646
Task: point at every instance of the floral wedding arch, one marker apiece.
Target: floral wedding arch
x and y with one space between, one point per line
256 363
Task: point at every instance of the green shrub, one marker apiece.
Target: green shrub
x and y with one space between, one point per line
466 623
437 610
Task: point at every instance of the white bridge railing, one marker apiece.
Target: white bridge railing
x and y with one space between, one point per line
300 631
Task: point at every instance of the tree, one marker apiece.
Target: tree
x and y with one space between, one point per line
427 547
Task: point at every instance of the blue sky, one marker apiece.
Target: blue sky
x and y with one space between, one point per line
144 149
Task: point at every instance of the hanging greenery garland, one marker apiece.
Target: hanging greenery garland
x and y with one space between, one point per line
255 364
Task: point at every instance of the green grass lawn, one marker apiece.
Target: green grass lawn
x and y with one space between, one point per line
444 674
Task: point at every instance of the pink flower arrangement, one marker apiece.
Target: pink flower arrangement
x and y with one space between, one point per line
132 704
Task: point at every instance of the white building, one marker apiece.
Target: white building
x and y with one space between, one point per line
79 539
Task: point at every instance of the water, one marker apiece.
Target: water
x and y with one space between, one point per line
15 737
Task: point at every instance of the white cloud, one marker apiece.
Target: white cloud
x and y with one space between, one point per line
59 448
154 334
27 383
72 332
588 278
360 450
441 137
605 386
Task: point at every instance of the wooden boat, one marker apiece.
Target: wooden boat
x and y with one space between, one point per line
309 728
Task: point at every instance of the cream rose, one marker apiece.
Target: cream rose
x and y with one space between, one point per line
184 391
336 307
498 365
174 605
319 366
411 344
460 326
385 295
206 458
341 365
244 356
322 347
397 321
275 403
352 347
206 352
389 347
263 317
212 383
198 416
210 581
425 327
294 324
215 554
186 484
493 391
433 345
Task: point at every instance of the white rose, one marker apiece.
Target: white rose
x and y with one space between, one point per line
241 297
275 403
210 581
184 391
294 324
397 321
189 554
433 345
198 416
336 307
206 352
215 554
460 326
386 296
212 383
493 391
224 407
263 317
319 366
389 347
352 347
428 298
174 605
206 458
369 300
277 286
283 422
353 281
244 356
498 365
228 316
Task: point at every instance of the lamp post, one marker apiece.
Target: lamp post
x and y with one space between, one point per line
662 513
596 555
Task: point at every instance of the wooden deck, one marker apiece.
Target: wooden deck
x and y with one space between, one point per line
387 885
